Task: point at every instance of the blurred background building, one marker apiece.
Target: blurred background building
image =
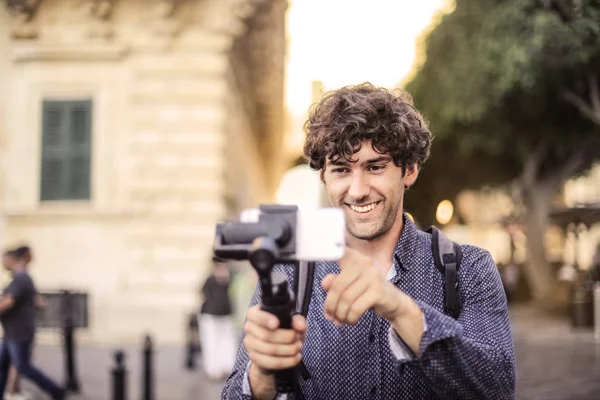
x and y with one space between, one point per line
123 125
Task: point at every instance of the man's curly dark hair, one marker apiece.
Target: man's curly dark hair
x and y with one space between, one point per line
344 118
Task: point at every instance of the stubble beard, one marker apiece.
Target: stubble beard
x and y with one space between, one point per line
380 228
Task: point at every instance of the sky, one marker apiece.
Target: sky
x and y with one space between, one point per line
342 42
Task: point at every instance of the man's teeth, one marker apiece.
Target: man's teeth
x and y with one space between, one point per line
363 209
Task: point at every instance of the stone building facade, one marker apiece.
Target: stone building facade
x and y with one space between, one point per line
128 128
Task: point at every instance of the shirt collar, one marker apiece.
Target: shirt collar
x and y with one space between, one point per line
405 245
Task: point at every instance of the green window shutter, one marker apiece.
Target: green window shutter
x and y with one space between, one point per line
66 150
79 164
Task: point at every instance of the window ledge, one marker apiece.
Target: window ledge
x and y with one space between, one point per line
63 208
69 52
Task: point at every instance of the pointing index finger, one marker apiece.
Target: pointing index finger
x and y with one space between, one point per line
349 254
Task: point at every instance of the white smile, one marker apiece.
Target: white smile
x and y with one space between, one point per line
363 209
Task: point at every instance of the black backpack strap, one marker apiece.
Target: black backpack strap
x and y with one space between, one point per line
304 276
447 257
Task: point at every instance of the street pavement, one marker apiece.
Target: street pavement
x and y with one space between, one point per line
554 362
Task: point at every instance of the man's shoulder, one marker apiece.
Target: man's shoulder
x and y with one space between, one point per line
470 254
476 263
475 255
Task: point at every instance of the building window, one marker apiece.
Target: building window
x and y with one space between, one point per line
66 150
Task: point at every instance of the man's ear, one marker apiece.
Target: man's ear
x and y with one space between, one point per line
411 172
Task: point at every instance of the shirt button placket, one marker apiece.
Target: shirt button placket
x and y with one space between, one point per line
376 367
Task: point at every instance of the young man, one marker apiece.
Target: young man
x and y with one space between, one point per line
17 314
377 327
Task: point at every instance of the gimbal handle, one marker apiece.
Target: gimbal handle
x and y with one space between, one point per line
276 299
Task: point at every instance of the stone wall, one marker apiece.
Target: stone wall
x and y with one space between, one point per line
173 153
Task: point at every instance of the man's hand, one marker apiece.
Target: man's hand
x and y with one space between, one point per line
270 348
360 287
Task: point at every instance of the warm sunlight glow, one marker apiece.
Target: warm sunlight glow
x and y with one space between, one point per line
445 211
344 42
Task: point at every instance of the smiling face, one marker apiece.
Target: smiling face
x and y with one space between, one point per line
369 190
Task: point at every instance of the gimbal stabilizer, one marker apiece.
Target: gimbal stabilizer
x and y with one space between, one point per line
264 242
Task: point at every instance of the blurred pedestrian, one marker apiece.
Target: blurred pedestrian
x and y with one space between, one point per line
510 279
216 323
24 257
17 315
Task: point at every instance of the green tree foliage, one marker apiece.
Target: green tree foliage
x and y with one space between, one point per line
511 90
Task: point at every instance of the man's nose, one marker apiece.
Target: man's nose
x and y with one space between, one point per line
359 188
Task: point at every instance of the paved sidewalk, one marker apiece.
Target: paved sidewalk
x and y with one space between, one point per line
554 362
94 364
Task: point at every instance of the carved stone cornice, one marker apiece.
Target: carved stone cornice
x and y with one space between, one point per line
229 18
166 8
26 8
167 24
100 12
22 24
99 9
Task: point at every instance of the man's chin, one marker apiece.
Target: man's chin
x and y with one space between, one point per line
364 232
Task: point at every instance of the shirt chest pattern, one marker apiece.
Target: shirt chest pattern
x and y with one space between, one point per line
356 361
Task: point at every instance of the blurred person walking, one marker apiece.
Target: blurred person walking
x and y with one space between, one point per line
24 257
216 323
510 279
17 315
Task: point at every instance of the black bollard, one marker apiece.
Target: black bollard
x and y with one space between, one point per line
119 377
192 342
71 381
147 378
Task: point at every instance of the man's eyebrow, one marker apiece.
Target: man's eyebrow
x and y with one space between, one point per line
342 162
338 162
378 160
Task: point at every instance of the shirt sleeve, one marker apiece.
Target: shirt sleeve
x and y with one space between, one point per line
247 391
472 357
17 288
398 347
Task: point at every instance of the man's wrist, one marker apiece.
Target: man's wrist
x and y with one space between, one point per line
262 383
404 309
408 323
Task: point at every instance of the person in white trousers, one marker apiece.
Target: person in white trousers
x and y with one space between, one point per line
217 335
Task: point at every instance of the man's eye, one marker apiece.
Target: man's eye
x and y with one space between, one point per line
376 168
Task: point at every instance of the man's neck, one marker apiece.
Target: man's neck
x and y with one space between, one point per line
380 250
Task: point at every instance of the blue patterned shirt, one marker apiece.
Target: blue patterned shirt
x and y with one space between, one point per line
468 358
